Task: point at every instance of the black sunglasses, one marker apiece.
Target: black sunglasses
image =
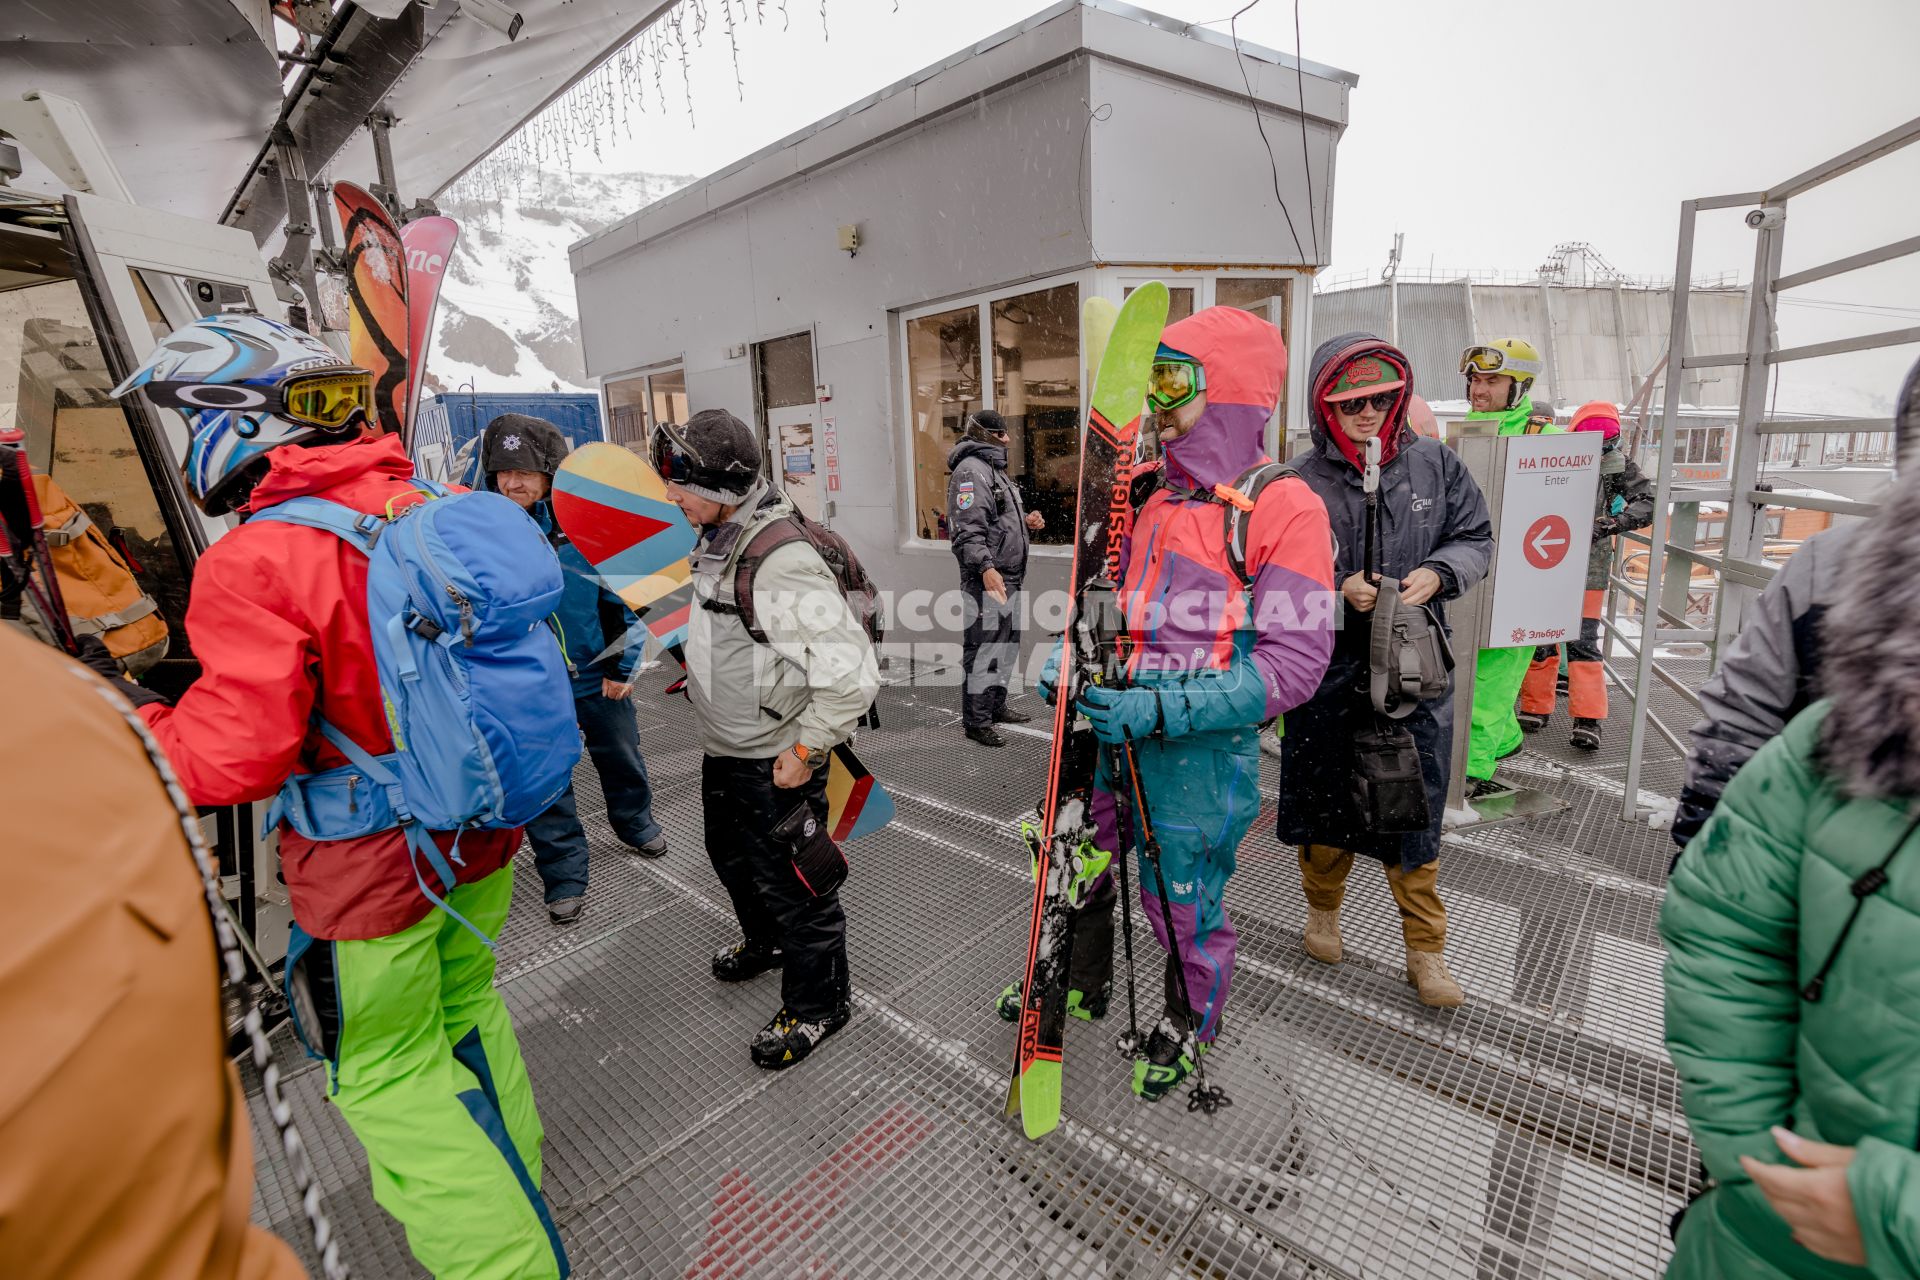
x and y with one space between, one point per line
1351 408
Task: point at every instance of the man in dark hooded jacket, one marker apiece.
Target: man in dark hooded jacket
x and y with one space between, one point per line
520 454
987 526
1436 538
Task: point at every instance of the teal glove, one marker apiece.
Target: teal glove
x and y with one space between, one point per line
1119 714
1049 680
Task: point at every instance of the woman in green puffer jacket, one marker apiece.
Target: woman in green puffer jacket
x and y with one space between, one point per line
1793 983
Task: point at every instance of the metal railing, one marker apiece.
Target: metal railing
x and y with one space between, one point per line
1741 570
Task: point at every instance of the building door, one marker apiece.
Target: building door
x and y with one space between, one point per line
790 419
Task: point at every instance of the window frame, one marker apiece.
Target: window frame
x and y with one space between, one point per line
1110 282
904 433
645 373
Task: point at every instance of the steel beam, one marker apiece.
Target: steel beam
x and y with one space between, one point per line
1761 498
1744 532
1662 499
1840 346
1840 266
1892 140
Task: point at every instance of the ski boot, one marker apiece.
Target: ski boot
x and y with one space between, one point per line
1586 735
786 1040
1170 1057
1086 1006
1532 721
739 962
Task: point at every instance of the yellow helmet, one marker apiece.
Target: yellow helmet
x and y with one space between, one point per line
1515 357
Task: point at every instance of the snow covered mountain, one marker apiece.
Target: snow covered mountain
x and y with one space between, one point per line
508 321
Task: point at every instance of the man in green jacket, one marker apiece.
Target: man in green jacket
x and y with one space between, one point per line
1500 376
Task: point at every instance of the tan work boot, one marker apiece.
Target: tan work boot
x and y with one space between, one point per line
1323 935
1427 971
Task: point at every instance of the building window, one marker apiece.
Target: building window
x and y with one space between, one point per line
1716 444
635 404
667 396
1179 301
1036 388
1032 380
943 378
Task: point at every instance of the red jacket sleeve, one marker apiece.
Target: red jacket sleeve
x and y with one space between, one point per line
236 733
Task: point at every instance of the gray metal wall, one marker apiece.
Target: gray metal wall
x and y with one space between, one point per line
1602 342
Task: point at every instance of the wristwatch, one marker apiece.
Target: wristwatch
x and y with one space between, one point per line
800 752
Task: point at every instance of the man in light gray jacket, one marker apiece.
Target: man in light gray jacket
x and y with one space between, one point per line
779 671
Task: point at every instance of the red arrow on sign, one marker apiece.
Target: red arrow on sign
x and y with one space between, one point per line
1546 542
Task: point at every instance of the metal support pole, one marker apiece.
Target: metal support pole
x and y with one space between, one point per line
1683 530
378 125
1745 520
1662 496
1620 336
1553 349
296 256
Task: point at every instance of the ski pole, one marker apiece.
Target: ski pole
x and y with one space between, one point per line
1202 1098
1370 483
1129 1041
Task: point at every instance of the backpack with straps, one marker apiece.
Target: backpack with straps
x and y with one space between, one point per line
849 575
473 683
1236 500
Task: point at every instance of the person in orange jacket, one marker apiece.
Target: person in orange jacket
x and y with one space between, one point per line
107 959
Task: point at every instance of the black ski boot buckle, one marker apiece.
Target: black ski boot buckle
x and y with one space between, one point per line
1208 1099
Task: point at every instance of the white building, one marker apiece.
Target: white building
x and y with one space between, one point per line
1088 149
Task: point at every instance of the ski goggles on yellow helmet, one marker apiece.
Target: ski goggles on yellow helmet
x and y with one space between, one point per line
1175 379
1512 359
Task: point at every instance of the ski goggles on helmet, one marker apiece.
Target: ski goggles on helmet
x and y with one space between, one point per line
678 462
330 400
1484 359
1173 381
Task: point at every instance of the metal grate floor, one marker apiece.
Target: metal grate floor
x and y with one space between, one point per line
1535 1132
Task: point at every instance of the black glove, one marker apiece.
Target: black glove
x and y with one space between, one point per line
1605 527
92 653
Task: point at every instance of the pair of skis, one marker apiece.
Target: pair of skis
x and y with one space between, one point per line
393 277
1126 343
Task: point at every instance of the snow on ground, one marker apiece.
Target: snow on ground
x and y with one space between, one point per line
508 319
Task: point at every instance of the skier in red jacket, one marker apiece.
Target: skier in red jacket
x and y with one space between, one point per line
394 993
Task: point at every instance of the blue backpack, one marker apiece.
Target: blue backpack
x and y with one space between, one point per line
474 685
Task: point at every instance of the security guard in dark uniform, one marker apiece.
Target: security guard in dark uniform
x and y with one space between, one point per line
988 526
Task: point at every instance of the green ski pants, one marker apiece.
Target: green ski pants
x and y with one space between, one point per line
427 1072
1497 677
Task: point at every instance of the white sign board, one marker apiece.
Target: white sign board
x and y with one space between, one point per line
1546 529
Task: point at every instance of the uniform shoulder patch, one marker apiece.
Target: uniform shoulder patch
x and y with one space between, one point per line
965 495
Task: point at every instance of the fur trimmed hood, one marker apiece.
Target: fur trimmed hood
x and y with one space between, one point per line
1870 743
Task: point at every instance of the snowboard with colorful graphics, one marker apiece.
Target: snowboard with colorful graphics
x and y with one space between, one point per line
613 506
429 245
1104 517
375 260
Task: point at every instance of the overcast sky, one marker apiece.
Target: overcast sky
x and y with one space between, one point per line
1595 120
